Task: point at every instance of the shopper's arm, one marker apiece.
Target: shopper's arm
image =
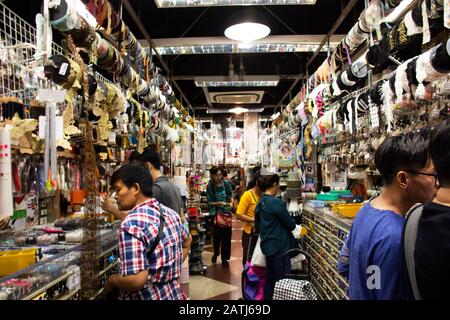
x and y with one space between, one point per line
186 247
241 212
130 283
109 206
280 209
344 258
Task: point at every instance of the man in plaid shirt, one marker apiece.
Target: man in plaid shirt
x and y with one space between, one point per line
141 278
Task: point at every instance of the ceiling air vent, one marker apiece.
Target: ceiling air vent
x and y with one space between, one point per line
236 97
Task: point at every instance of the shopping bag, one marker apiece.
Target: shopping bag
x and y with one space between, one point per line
258 258
223 219
293 289
253 281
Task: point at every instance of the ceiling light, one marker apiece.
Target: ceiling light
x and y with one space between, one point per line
208 3
238 110
247 31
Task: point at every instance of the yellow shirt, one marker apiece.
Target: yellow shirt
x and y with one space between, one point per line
246 207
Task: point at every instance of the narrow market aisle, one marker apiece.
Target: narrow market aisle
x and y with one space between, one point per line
219 282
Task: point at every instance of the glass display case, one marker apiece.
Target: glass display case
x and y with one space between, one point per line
54 271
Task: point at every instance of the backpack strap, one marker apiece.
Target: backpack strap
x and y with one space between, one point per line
411 226
253 196
160 233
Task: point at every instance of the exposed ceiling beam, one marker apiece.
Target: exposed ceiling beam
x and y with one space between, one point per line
336 25
208 98
152 45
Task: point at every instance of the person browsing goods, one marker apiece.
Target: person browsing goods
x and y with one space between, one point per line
371 255
149 269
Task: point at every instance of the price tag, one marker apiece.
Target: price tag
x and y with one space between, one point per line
63 68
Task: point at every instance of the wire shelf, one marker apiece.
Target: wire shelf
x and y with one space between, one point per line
18 76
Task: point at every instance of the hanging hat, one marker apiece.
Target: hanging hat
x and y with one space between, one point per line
440 58
356 173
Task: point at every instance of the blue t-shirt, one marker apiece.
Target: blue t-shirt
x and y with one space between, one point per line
371 257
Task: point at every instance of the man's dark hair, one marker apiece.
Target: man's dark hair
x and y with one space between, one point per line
150 155
134 156
253 179
265 182
256 169
214 170
134 173
407 151
440 152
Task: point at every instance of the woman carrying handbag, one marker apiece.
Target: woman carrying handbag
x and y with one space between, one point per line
246 213
219 192
275 226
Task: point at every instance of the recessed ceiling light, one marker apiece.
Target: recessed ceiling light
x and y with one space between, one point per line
247 31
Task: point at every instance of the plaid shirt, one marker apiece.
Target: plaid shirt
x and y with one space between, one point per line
137 233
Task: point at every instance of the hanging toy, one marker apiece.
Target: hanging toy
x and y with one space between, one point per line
51 183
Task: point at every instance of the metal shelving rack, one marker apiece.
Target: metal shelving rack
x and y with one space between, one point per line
325 238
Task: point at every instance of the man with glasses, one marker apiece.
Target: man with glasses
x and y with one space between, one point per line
431 250
371 256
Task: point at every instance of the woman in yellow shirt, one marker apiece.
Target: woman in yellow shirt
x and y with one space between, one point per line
246 213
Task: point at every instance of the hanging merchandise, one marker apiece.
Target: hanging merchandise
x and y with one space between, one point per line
7 207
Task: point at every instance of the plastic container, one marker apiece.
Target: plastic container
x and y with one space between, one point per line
15 260
77 197
348 210
341 192
327 197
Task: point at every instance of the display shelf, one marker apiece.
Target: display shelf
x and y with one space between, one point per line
99 292
334 271
318 289
69 295
320 227
49 285
322 242
108 268
325 281
323 239
326 252
318 285
344 224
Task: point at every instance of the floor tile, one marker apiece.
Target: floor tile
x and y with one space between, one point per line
202 288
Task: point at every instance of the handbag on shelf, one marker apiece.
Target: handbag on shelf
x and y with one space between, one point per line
223 219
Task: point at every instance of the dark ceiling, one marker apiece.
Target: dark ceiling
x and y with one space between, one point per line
211 22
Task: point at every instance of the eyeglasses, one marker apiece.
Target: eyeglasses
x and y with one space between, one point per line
424 174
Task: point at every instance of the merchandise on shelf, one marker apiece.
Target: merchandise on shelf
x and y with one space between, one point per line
324 241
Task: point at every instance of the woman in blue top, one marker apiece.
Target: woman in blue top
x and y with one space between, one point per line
219 192
275 226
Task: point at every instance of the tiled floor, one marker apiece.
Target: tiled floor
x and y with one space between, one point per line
219 282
